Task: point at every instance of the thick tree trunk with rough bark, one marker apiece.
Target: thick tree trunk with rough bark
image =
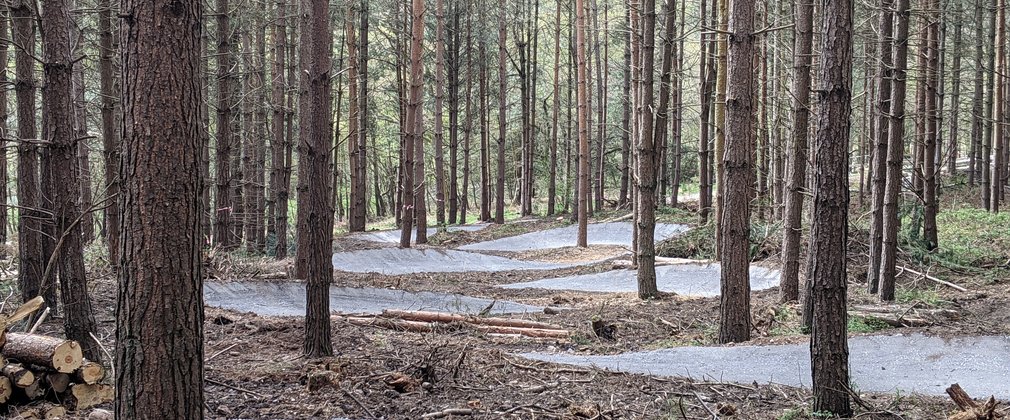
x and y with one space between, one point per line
829 349
58 128
159 324
738 162
315 219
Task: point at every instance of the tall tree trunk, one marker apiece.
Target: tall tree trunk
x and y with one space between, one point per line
797 150
4 115
987 141
583 111
110 127
464 199
315 214
953 145
499 210
30 258
280 85
647 154
626 122
552 180
363 115
439 129
355 220
485 141
879 162
895 152
829 350
225 137
159 323
738 162
87 221
978 93
930 168
999 107
722 46
58 128
704 128
453 68
413 126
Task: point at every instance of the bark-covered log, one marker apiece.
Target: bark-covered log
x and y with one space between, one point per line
84 396
89 373
58 354
448 317
19 375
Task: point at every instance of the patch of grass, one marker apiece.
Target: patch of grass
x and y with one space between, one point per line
910 295
859 324
666 214
793 414
786 321
969 238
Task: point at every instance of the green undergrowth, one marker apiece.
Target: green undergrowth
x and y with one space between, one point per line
699 242
970 239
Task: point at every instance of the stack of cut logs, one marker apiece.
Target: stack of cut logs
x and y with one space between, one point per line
44 377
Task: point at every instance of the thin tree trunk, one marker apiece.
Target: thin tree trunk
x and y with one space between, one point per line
797 151
413 126
225 137
978 94
439 94
499 211
583 124
930 168
58 128
953 145
895 152
646 146
280 85
552 181
999 107
879 163
30 257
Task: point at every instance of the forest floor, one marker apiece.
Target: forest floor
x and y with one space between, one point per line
255 369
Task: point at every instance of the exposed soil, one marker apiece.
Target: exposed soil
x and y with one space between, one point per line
255 369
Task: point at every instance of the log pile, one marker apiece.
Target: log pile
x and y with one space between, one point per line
44 377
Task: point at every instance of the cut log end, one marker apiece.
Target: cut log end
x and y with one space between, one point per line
19 375
5 389
84 396
89 373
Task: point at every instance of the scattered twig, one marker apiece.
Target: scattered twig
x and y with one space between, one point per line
219 383
714 416
220 352
936 280
360 404
42 318
448 412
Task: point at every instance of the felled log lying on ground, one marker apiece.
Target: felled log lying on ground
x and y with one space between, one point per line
904 316
61 355
423 321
